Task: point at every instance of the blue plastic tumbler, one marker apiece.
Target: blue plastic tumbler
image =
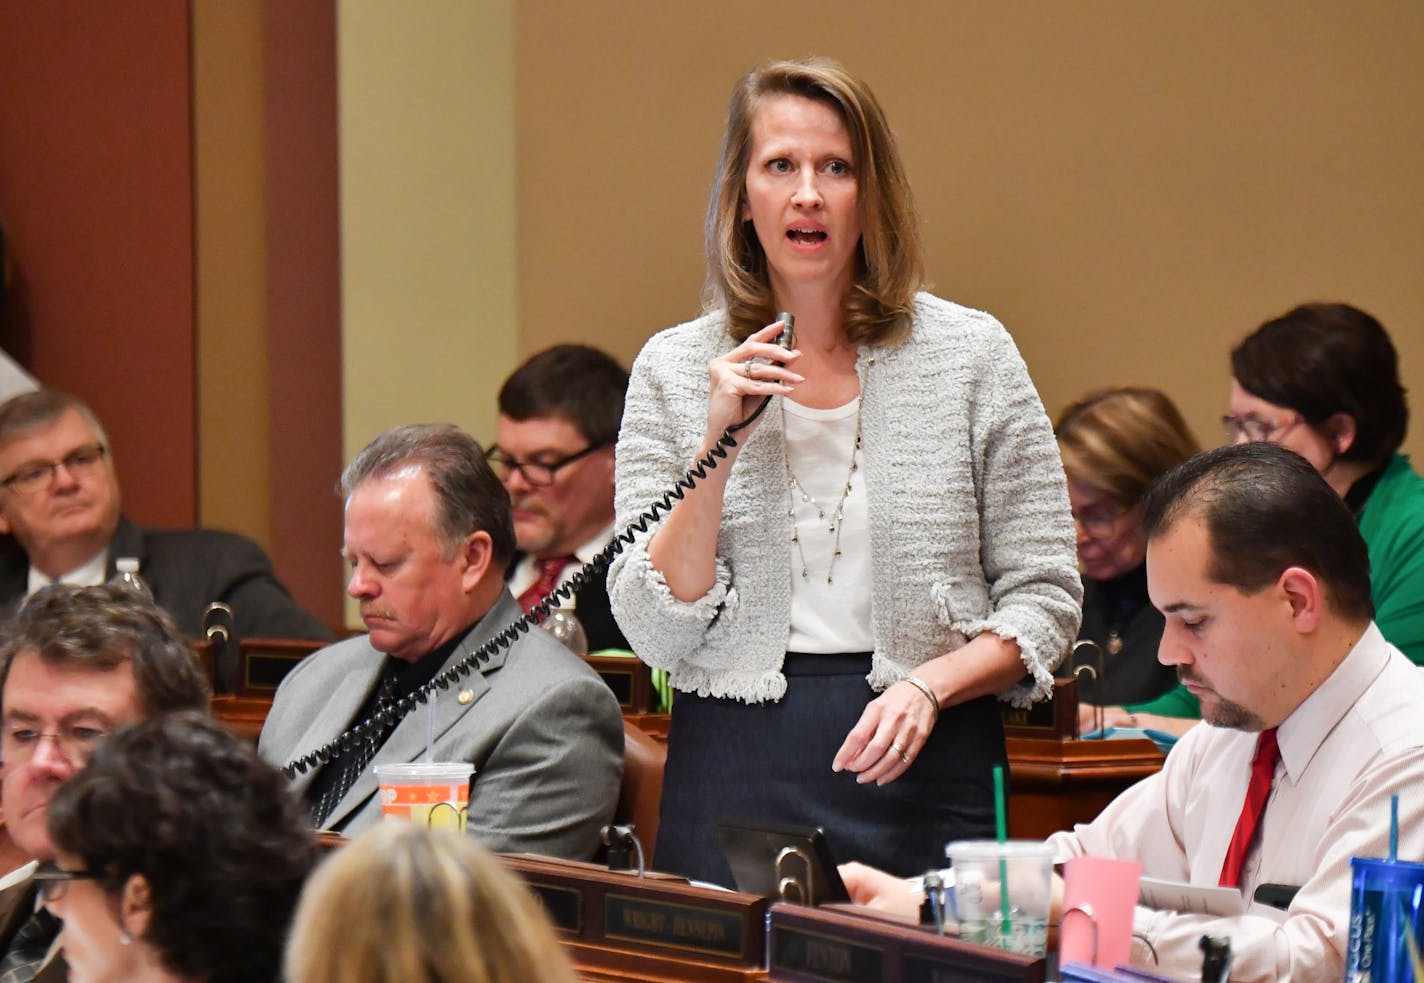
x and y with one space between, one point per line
1386 921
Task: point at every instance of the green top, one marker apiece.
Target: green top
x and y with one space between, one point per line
1392 524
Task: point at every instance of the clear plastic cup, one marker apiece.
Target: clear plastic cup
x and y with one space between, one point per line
1386 921
982 868
432 793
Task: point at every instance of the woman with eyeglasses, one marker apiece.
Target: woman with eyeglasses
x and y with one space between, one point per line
1115 443
1323 381
179 857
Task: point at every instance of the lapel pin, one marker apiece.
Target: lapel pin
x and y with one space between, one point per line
466 697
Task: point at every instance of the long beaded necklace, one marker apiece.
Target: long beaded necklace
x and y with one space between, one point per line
794 488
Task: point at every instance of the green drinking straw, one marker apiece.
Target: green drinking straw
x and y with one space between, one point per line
1001 833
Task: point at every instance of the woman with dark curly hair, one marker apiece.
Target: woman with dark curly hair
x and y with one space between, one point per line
179 857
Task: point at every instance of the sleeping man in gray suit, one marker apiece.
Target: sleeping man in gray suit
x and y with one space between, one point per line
428 535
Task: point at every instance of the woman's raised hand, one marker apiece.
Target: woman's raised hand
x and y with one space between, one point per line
740 379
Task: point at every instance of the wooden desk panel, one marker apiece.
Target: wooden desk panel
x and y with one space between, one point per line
1054 784
242 715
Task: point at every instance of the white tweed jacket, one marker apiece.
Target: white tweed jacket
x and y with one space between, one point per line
969 523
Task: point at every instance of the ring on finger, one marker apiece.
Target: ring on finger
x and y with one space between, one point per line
900 751
747 370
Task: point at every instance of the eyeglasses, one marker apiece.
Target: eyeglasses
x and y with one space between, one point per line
1100 521
18 743
1255 429
35 476
540 474
53 880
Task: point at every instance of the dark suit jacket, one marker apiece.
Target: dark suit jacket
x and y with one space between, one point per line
542 730
593 611
188 569
17 903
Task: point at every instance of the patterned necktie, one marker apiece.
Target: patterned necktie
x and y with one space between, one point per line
1263 769
29 946
352 763
549 569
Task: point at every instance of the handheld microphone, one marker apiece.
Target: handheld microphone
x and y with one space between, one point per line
787 338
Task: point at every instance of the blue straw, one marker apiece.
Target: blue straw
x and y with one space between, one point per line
1393 827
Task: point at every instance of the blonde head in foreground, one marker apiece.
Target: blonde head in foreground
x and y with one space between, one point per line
407 904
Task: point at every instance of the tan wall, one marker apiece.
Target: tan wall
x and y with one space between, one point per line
427 214
231 267
427 206
1130 187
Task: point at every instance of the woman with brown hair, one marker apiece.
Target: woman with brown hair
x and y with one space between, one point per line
1115 443
844 600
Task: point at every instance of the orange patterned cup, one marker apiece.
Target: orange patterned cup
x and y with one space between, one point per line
429 793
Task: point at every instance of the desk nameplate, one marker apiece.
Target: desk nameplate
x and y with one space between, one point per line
618 910
563 905
820 945
678 926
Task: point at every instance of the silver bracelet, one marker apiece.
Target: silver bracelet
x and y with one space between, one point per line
924 688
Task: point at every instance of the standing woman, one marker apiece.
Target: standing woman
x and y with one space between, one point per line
844 599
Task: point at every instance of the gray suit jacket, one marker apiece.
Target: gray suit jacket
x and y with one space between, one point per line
541 728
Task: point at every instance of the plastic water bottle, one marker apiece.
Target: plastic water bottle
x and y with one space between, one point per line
566 627
126 568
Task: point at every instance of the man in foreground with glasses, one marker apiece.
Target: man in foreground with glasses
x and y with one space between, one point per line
75 664
559 415
59 499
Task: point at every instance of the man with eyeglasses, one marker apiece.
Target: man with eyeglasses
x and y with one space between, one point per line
76 663
559 415
59 499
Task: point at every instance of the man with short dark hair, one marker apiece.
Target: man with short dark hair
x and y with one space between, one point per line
59 499
75 664
1313 719
559 415
428 536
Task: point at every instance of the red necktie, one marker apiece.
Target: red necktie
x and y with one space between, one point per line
1263 769
549 569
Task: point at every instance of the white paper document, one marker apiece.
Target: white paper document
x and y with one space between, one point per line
1194 898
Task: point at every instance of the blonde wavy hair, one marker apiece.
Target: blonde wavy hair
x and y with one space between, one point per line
407 904
1119 441
890 260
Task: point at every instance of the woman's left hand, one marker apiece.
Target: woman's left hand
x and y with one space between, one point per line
888 737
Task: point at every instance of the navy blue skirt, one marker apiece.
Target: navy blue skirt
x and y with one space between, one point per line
772 761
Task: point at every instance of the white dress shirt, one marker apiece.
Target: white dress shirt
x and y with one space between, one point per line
1355 741
88 574
526 571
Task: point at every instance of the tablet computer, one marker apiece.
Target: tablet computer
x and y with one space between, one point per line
789 863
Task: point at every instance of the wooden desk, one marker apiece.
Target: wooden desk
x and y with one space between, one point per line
243 715
1055 783
615 926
